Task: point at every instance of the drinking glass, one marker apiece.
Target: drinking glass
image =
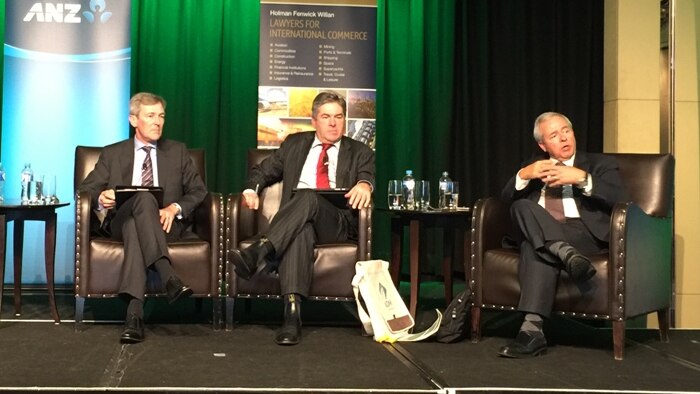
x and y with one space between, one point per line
394 194
424 195
36 190
452 195
49 189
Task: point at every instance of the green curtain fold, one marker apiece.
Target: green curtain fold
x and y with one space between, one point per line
202 57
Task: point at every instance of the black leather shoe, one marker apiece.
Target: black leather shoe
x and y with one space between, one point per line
577 265
244 266
290 333
250 261
526 344
133 330
176 289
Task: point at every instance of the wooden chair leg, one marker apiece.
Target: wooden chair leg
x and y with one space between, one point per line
229 313
79 309
476 324
619 339
664 323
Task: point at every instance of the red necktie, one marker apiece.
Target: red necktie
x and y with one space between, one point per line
553 201
322 181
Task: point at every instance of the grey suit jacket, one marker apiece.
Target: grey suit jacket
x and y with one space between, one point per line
355 163
177 174
595 209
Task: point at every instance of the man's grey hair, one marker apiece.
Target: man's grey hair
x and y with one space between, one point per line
325 98
546 116
144 98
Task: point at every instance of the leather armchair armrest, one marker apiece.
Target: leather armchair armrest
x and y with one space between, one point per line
83 217
208 218
208 225
490 223
641 248
364 229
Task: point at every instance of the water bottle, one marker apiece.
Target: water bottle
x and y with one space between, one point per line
442 198
27 176
2 184
409 191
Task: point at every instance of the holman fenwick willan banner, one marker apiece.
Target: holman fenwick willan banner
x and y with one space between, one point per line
65 83
307 48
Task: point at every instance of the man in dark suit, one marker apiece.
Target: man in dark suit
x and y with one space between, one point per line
307 161
144 226
561 205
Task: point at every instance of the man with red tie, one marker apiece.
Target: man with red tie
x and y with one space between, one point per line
322 159
561 205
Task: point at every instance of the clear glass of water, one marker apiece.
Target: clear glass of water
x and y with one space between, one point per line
452 195
49 189
424 195
394 194
36 190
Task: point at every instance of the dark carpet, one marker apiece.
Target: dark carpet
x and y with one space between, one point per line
183 353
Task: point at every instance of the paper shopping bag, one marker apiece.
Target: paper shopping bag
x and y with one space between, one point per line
386 318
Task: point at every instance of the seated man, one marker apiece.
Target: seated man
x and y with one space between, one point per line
143 226
562 206
306 161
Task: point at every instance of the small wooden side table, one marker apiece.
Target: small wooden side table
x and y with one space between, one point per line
455 224
13 210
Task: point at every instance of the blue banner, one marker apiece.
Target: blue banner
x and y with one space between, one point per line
65 83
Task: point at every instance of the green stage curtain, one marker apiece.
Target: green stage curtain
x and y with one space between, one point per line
202 57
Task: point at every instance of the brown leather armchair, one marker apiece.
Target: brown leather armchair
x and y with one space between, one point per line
334 265
632 279
98 260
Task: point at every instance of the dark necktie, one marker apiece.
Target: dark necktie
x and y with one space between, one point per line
322 181
553 201
147 168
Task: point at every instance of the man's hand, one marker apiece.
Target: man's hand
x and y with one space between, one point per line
551 174
359 196
252 200
167 216
107 199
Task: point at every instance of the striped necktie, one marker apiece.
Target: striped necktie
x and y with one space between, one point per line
147 168
553 200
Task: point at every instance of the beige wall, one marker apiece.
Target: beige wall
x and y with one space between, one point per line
687 151
632 105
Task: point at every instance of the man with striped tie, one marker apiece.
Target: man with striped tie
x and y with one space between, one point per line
140 223
561 204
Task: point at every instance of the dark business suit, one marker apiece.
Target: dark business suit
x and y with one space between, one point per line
307 219
136 222
538 269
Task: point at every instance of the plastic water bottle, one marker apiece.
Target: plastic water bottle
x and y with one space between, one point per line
27 176
409 191
2 184
442 198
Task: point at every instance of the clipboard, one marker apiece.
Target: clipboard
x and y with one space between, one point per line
123 193
335 196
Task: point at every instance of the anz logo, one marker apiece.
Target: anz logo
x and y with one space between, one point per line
68 13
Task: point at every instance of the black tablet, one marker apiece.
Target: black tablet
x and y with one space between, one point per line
123 193
335 196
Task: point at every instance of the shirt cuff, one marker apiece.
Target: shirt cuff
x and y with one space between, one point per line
371 187
520 183
179 210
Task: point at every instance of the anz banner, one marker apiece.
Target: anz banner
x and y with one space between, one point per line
65 83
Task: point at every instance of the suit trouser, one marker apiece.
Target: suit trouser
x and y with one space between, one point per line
137 224
538 268
302 222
